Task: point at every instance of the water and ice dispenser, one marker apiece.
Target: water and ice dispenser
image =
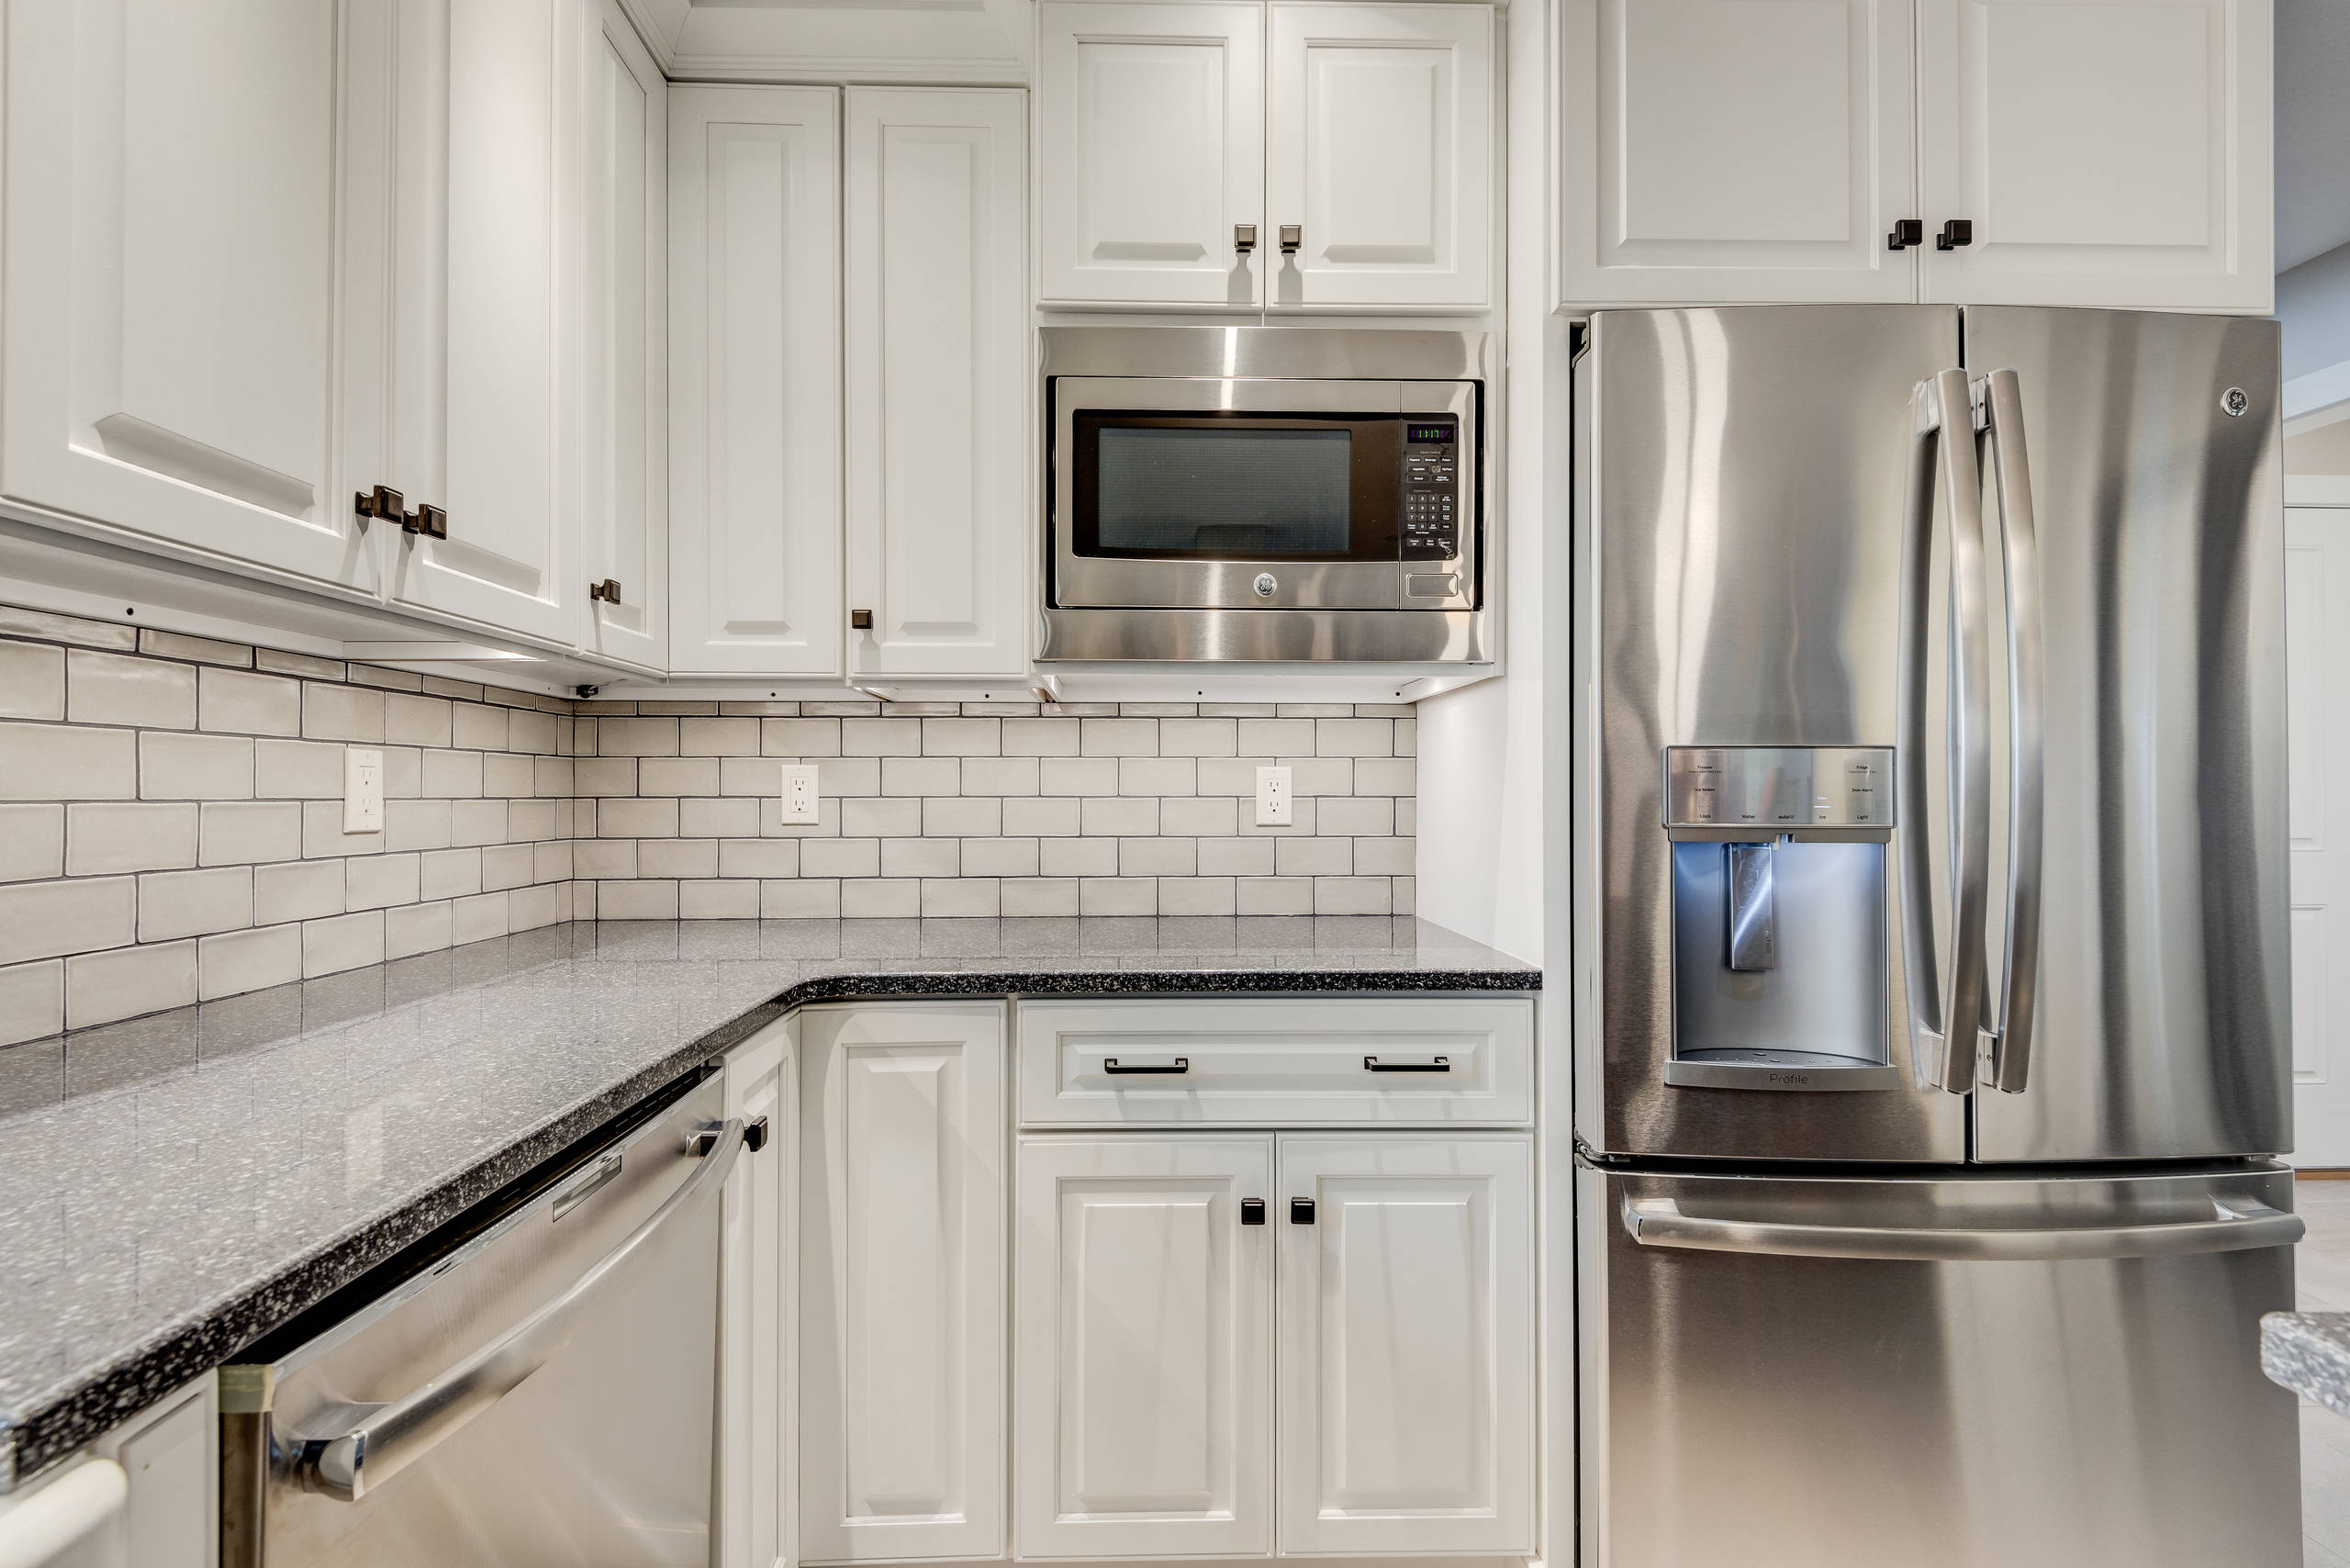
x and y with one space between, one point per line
1779 972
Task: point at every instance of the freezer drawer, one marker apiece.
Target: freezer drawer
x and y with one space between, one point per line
1964 1372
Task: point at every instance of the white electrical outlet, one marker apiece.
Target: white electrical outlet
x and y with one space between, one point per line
1273 801
363 789
798 806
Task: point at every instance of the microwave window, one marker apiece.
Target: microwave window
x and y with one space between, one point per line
1244 493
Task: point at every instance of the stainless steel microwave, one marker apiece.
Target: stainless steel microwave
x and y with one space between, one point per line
1264 493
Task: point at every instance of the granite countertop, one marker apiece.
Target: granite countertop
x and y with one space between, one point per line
174 1186
2308 1352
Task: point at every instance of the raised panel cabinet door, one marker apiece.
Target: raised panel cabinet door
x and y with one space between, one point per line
1378 137
756 1272
176 176
754 380
1150 132
1718 151
2107 152
1143 1416
940 381
624 469
1407 1392
483 299
901 1282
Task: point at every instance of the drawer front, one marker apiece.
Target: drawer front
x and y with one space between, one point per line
1348 1060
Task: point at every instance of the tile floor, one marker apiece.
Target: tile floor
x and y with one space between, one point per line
2321 1279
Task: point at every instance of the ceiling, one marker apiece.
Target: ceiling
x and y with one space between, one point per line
2312 128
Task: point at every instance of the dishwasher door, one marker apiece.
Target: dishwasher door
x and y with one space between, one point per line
541 1395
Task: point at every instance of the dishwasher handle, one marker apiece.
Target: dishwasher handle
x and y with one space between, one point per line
2237 1225
383 1440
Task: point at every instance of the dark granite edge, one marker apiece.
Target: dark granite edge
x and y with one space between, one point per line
2308 1352
137 1378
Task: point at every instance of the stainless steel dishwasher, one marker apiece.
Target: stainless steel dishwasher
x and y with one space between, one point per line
532 1386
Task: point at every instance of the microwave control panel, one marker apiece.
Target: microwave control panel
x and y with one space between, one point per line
1431 490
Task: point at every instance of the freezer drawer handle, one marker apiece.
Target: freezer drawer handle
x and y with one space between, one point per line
1435 1064
386 1439
1180 1064
2238 1224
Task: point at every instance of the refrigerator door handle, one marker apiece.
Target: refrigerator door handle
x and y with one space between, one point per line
2237 1225
2027 731
1943 445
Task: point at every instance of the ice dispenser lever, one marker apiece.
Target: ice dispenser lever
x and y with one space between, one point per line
1753 924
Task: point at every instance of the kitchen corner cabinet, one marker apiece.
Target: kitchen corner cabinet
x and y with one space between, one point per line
1170 178
624 369
757 1275
181 181
1720 151
939 382
901 1282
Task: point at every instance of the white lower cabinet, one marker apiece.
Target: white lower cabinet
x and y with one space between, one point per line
757 1308
901 1282
1144 1347
145 1495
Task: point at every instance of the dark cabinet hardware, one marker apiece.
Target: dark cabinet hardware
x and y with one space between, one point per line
428 520
1244 237
1180 1064
1907 231
1292 235
1252 1211
1437 1064
383 502
754 1134
1957 232
609 591
861 620
1301 1211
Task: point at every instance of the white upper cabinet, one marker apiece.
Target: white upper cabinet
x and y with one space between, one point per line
939 382
1151 136
1734 150
1407 1345
755 376
176 178
1379 151
1145 1325
624 474
2109 155
901 1282
484 254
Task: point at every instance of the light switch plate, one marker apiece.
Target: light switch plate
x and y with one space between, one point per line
363 789
797 807
1274 808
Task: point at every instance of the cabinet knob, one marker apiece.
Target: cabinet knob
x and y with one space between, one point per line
383 501
1244 237
860 620
1957 232
1252 1211
428 520
1292 235
754 1134
609 591
1907 231
1301 1211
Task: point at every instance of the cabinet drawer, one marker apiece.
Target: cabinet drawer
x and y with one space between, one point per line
1452 1063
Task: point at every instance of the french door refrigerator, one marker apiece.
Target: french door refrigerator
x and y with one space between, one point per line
1930 939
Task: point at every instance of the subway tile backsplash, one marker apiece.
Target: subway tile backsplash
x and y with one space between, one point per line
171 823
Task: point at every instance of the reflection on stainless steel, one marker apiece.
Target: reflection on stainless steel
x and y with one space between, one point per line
542 1394
2162 1000
2097 1403
1394 636
2027 729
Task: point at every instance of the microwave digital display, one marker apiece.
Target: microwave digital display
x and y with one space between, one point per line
1428 435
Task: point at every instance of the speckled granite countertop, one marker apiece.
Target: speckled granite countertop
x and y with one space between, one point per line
2308 1352
174 1186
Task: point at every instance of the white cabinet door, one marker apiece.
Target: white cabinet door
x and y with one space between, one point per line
1407 1345
485 363
754 380
176 178
756 1309
147 1494
940 381
901 1282
2107 152
1143 1425
1152 149
624 470
1379 136
1721 151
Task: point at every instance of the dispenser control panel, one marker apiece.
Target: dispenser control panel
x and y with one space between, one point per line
1778 789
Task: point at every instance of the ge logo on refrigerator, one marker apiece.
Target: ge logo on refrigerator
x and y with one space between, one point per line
2234 401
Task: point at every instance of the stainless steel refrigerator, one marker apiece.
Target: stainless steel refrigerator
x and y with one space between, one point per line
1930 939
